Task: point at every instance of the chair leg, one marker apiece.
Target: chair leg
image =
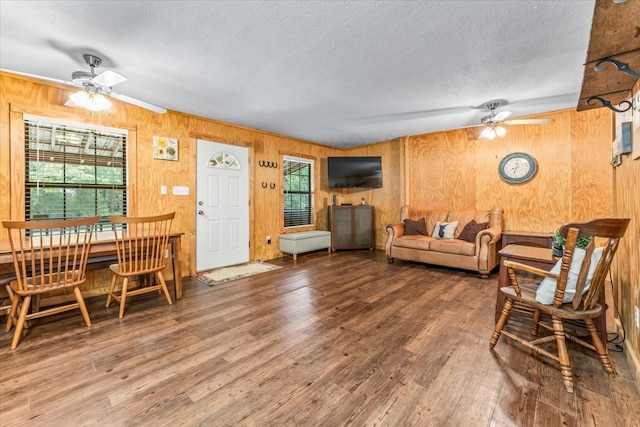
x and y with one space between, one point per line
163 285
563 354
123 297
535 322
112 287
11 317
603 354
506 309
82 305
21 319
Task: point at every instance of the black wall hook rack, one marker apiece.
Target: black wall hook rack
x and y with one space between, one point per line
623 67
625 105
266 164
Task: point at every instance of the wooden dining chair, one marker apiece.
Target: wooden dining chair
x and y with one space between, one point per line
142 244
569 291
47 256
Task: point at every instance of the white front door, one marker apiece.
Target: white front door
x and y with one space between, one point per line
222 224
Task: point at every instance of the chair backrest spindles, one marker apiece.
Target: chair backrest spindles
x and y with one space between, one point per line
49 254
609 230
141 242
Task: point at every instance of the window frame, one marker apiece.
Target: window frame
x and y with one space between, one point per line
93 166
289 215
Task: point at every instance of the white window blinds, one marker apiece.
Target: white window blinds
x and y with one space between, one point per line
74 172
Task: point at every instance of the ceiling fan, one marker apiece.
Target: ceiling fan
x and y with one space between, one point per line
493 122
96 86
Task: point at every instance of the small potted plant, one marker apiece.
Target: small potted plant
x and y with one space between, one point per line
559 242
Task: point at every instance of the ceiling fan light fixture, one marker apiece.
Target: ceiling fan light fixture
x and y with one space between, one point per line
500 131
488 133
90 101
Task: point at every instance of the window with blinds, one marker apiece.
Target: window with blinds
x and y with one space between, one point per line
74 172
298 192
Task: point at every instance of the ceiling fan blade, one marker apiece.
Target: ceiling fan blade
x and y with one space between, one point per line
501 116
138 102
527 121
109 78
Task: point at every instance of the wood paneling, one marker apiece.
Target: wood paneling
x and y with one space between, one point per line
387 200
591 171
146 175
627 196
455 170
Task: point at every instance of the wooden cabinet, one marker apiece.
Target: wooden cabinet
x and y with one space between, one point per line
543 240
351 227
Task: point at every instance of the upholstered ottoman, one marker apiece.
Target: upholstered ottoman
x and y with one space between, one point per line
305 241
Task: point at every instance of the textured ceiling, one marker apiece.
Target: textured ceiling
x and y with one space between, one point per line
338 73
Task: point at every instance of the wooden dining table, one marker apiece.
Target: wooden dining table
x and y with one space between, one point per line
103 246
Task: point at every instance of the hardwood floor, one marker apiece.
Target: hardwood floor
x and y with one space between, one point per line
329 340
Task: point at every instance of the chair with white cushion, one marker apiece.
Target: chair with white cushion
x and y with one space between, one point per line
569 291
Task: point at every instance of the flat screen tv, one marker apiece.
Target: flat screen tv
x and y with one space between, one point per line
354 172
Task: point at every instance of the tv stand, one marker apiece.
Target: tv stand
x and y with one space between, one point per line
351 227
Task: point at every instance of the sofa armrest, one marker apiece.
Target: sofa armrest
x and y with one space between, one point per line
393 232
487 248
494 234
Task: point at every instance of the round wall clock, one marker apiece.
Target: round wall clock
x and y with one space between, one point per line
517 168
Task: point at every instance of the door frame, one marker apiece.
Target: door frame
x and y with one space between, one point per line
193 237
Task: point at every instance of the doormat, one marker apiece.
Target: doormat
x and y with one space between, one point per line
226 274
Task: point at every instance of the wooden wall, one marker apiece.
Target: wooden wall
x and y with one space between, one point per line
20 95
627 204
456 170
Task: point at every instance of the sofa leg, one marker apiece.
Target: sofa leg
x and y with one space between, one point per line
484 276
390 260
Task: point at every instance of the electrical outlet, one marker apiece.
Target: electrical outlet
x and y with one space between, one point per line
636 311
268 240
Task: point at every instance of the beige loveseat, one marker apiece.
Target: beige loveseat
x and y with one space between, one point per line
478 254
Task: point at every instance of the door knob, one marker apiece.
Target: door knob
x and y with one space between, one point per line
200 212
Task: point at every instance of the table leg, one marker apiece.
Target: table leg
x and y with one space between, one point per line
176 246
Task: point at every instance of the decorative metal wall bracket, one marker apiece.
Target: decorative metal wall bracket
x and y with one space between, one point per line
605 103
620 66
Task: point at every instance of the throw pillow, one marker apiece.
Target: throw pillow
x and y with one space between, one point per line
470 230
444 230
412 227
547 288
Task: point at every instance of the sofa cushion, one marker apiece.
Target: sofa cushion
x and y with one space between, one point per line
413 242
432 217
453 246
412 227
463 217
444 230
470 230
